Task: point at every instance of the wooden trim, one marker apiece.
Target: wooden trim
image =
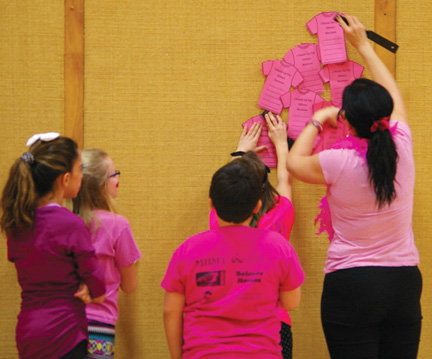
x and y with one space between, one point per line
74 71
385 25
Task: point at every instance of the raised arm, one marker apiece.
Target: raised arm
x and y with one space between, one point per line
278 134
249 139
355 33
301 163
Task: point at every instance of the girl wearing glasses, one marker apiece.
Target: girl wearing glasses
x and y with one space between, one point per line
51 248
277 211
114 243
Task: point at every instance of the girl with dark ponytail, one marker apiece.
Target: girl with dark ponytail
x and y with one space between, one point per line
51 248
370 305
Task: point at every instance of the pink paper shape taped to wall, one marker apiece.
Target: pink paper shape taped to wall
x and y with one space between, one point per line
331 38
269 155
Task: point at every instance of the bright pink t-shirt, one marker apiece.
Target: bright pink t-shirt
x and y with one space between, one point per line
364 235
279 219
231 278
115 248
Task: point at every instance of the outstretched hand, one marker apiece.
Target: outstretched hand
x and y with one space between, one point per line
355 31
277 130
327 115
249 139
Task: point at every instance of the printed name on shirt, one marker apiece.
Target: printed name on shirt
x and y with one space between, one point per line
245 277
210 261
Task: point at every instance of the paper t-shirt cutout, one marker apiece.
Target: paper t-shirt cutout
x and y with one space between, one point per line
280 77
306 59
330 135
269 155
340 76
300 103
331 38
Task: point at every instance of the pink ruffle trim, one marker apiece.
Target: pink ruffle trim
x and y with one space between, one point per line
351 142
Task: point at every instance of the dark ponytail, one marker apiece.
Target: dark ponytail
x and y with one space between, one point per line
365 102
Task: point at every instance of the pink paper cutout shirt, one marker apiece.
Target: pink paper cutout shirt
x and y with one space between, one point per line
306 59
301 104
280 77
331 38
340 76
330 134
268 156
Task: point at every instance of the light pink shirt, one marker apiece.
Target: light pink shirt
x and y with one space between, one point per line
115 248
231 278
364 235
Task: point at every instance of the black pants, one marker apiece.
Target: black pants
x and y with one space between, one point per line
79 352
372 312
286 341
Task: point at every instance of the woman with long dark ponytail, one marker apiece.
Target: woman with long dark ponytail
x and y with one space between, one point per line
370 305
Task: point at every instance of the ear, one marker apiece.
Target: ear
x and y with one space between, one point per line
257 207
211 203
64 179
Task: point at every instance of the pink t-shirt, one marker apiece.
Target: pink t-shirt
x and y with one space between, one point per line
279 219
300 103
231 278
115 248
306 59
364 235
331 38
340 76
280 77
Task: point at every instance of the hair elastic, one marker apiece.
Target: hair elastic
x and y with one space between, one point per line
28 158
382 124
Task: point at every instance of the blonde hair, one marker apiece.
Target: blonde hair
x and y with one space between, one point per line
93 193
31 177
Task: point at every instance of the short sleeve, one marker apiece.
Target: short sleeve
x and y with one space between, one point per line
357 70
126 249
279 219
289 57
297 80
266 67
312 26
325 74
286 99
294 275
173 280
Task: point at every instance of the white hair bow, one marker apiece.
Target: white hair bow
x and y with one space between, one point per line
46 137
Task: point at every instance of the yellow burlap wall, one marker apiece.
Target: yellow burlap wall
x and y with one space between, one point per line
167 86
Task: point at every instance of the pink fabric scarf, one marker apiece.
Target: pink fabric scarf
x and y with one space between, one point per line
360 145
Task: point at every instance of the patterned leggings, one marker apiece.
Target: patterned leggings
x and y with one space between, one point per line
101 340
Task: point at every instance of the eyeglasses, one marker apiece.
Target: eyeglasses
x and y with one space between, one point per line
116 173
